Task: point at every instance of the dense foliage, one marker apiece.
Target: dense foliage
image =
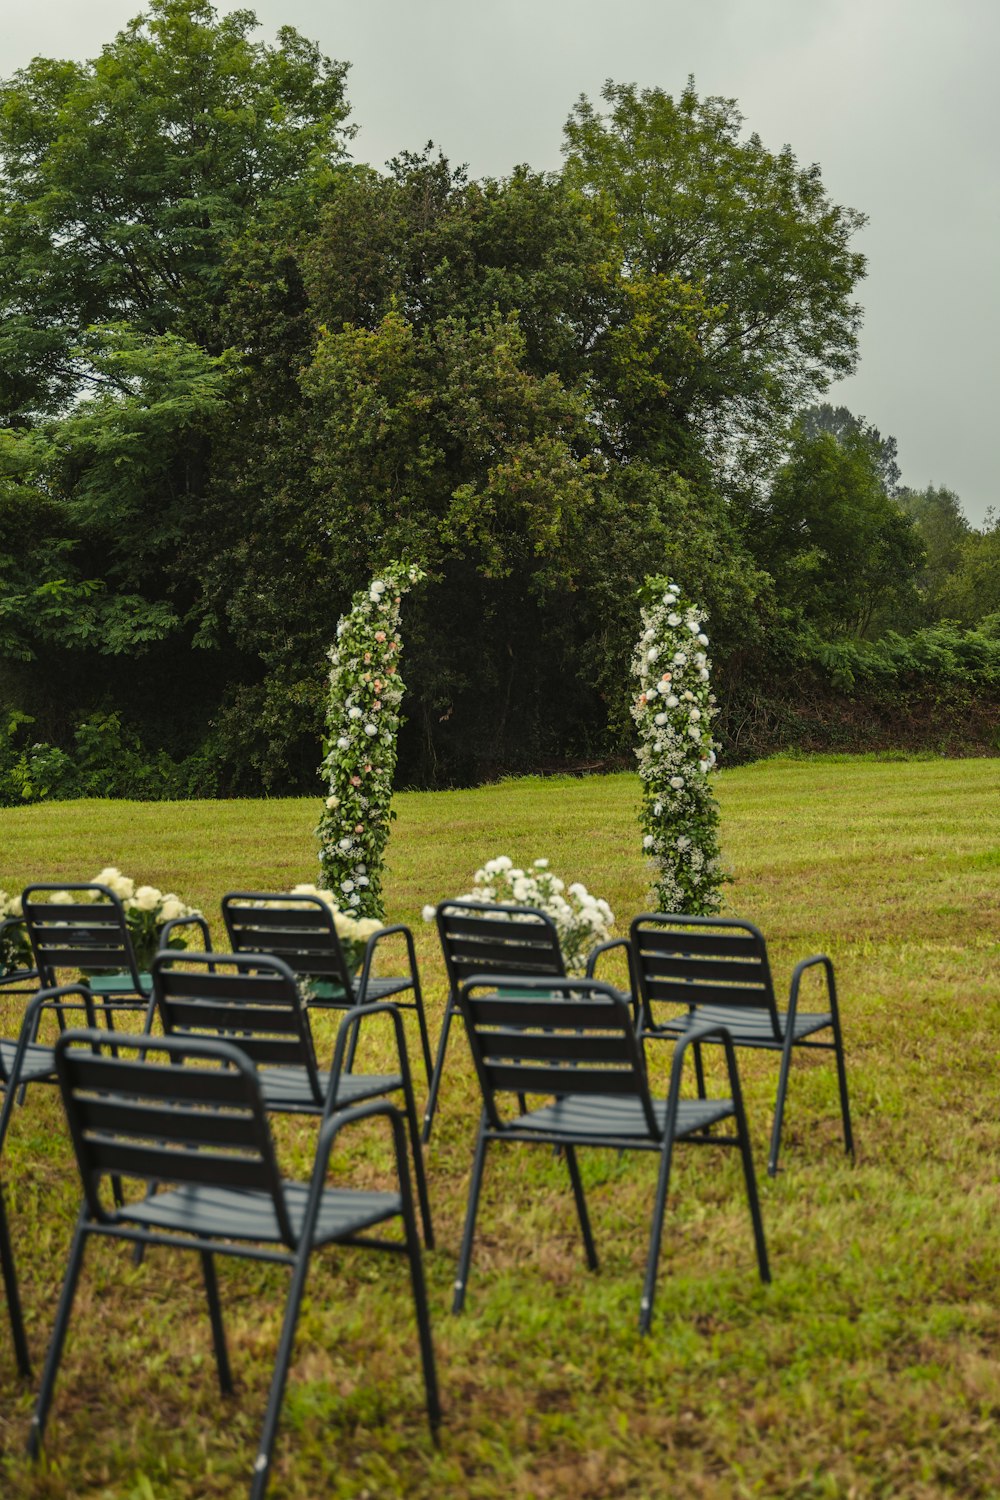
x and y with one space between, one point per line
240 374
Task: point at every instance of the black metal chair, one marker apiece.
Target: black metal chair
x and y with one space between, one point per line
573 1040
300 929
89 936
477 938
254 1000
718 969
197 1122
24 1061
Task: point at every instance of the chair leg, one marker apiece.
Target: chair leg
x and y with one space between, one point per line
750 1177
435 1084
38 1420
581 1207
352 1046
845 1108
779 1106
656 1235
418 1162
13 1296
218 1331
699 1070
423 1314
425 1041
465 1257
265 1447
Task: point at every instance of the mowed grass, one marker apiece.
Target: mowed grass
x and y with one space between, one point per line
871 1365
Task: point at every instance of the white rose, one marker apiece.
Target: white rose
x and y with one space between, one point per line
703 766
680 660
171 909
541 864
344 844
107 875
61 898
347 885
694 732
703 675
343 742
429 913
694 715
147 898
673 619
371 729
354 713
376 591
702 638
660 719
693 626
123 888
677 782
648 841
671 700
332 802
652 653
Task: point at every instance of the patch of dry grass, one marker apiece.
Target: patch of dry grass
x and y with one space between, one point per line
868 1369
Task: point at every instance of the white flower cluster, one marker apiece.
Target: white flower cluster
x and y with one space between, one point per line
580 919
362 728
673 710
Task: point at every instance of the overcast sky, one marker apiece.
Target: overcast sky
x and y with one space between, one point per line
896 99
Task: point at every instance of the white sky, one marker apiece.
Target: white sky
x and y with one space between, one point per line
896 99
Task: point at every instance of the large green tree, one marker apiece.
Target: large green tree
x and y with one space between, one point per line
124 180
703 210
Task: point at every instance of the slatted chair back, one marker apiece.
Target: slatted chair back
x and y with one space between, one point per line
554 1037
133 1118
703 962
480 939
297 928
252 997
88 934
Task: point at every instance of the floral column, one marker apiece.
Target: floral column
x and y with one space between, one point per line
673 710
363 722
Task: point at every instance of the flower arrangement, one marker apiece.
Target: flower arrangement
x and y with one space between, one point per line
361 746
146 910
15 950
580 919
673 710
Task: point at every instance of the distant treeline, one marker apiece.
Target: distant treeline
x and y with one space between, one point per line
239 373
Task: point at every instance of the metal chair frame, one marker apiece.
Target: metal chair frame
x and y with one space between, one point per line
573 1040
91 937
199 1122
300 929
23 1063
718 968
475 940
254 999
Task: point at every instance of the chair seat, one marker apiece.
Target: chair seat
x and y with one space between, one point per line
120 984
328 992
610 1115
289 1087
224 1213
748 1026
39 1061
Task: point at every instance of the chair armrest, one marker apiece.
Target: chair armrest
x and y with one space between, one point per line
351 1019
329 1131
817 959
608 947
169 928
379 937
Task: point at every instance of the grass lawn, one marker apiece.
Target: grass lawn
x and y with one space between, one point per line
871 1366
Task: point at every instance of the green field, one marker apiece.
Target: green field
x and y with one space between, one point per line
871 1365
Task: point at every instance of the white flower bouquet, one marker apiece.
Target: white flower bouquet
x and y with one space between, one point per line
581 920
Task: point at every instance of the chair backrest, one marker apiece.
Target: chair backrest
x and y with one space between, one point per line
89 933
697 961
553 1037
297 928
252 996
196 1118
477 938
